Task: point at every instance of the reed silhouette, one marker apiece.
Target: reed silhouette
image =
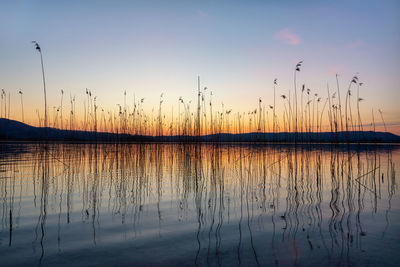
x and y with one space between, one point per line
297 118
22 106
37 47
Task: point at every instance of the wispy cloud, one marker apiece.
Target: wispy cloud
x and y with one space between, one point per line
288 37
333 70
355 44
202 14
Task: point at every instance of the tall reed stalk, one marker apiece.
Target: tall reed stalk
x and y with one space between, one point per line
298 65
384 124
61 107
22 106
3 93
37 47
274 118
340 103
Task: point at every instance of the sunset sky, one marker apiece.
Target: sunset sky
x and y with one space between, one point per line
237 47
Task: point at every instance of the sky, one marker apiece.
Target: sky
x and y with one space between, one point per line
236 47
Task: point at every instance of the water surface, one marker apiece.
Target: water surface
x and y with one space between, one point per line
199 205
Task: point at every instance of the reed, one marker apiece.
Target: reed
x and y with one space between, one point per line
9 105
160 123
297 69
3 97
302 109
303 114
198 130
359 99
61 107
37 47
22 105
373 120
211 114
259 115
331 116
383 121
274 114
339 104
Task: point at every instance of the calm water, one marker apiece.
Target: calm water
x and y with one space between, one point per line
198 205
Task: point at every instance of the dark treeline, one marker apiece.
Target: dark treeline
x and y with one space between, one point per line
13 130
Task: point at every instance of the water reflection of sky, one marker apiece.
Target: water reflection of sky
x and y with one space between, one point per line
198 205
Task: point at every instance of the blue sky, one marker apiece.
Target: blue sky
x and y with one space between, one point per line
237 47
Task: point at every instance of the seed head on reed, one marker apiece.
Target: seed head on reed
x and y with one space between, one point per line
298 65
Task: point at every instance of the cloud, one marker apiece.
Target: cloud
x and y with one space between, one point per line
288 37
333 70
202 14
355 44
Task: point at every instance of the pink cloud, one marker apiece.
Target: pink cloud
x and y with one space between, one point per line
202 14
354 44
287 36
333 70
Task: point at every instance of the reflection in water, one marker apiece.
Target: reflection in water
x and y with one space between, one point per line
201 205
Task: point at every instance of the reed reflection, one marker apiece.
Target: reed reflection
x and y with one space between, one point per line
197 204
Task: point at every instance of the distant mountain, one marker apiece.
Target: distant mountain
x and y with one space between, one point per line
14 130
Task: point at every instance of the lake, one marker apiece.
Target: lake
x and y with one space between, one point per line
199 205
